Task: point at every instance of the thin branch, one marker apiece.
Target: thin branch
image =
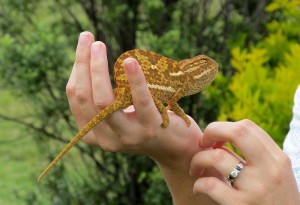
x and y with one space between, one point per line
73 17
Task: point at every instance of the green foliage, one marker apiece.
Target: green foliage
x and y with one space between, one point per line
267 74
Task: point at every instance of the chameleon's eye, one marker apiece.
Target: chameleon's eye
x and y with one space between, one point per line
202 62
196 65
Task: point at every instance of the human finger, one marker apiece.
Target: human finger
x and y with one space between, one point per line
71 89
146 111
83 81
102 91
75 110
71 95
216 189
101 84
219 159
73 103
251 142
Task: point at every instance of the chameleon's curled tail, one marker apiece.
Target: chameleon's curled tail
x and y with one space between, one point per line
116 105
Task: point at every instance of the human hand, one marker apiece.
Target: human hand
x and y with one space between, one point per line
267 177
135 130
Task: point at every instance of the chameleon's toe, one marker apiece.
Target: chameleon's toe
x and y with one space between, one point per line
187 120
166 121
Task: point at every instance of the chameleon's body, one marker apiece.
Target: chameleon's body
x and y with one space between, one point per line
167 80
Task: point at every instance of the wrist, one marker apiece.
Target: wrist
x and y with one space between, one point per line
180 185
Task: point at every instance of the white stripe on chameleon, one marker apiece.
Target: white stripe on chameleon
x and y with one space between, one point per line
192 69
161 87
180 73
154 67
196 77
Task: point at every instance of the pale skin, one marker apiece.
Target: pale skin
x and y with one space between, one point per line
267 177
178 150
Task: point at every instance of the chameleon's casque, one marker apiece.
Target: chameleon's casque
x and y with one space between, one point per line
167 80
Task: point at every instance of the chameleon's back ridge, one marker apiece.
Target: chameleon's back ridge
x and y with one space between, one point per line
167 80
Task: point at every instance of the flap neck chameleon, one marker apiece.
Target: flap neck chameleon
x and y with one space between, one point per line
168 81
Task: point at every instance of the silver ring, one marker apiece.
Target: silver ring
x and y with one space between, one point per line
235 172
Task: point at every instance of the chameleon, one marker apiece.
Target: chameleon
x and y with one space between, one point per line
168 81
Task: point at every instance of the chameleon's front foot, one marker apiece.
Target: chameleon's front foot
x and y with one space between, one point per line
174 106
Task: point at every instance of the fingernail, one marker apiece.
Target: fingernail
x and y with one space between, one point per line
83 38
207 144
196 173
96 48
130 65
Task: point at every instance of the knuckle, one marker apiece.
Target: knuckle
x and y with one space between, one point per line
89 139
242 201
277 176
150 132
209 184
284 160
218 155
147 125
81 59
129 141
70 90
109 146
261 191
247 200
143 100
100 104
247 123
82 97
211 127
239 128
284 163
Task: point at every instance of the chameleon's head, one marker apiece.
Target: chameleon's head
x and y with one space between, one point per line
199 71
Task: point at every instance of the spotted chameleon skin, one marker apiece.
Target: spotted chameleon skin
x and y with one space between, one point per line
167 80
158 70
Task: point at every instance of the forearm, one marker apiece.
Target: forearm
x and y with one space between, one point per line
180 185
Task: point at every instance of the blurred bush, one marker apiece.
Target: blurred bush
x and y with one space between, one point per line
256 51
267 74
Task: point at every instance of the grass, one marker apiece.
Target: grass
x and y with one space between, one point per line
19 157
